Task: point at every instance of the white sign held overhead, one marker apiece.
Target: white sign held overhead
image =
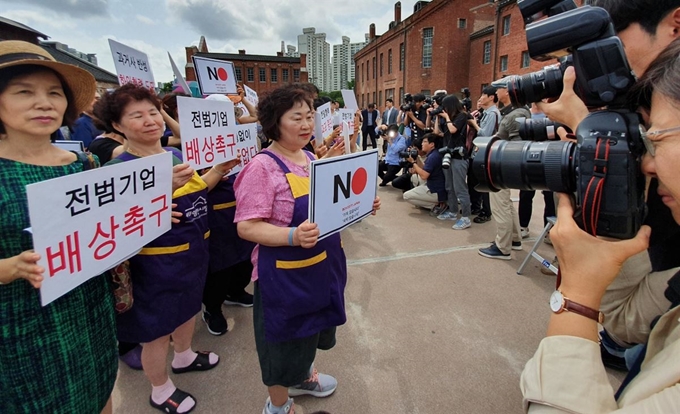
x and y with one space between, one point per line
251 95
350 99
178 75
97 219
323 123
347 115
132 65
215 76
342 190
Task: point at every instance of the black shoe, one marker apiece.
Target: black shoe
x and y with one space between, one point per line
612 361
476 211
382 185
215 321
244 300
481 218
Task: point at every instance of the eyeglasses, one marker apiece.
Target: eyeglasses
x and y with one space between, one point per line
649 145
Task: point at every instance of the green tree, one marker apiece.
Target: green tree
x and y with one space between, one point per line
350 84
167 87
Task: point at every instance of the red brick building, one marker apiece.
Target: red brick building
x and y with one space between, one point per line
260 72
444 44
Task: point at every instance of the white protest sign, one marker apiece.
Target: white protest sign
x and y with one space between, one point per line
345 136
84 224
132 65
215 76
178 75
342 190
251 95
350 99
347 115
323 123
242 140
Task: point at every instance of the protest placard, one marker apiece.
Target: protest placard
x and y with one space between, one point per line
215 76
345 136
178 75
323 123
251 95
132 65
347 115
210 135
350 99
342 190
84 224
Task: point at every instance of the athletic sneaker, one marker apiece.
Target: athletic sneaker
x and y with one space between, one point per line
317 385
524 232
437 210
462 223
215 322
244 300
288 407
493 252
447 215
517 245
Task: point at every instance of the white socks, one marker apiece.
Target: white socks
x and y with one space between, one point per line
160 394
186 358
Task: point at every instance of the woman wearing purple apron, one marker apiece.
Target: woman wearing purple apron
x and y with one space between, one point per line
299 281
168 274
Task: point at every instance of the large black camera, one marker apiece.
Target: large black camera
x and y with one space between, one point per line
436 111
405 155
602 168
408 105
583 37
448 153
539 129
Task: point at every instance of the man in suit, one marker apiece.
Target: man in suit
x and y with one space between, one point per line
370 117
390 115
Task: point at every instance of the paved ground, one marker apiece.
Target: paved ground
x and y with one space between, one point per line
432 327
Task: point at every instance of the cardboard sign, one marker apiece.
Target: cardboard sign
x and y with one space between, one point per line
350 99
84 224
242 140
132 65
323 123
215 76
347 115
251 95
178 75
342 190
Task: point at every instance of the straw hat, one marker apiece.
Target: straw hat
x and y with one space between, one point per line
79 81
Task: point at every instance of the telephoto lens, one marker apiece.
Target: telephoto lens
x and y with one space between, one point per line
536 86
538 129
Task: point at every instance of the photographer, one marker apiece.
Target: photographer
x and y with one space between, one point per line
407 180
452 125
389 167
569 357
432 194
416 115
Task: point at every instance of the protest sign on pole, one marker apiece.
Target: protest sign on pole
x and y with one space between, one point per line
178 75
350 99
84 224
132 65
347 115
342 190
251 95
210 135
215 76
323 123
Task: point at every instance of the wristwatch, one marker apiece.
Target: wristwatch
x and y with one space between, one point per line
559 303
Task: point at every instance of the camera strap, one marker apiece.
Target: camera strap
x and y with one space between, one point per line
593 195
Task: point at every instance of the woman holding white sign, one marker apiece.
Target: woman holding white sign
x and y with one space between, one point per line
168 274
60 358
299 281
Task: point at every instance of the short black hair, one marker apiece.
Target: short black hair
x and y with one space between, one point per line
647 13
490 91
433 138
389 100
371 106
419 97
271 108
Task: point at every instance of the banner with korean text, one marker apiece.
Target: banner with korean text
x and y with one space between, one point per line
86 223
132 65
210 135
323 123
215 76
342 190
251 95
347 115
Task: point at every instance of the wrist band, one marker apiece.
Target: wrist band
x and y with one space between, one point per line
290 235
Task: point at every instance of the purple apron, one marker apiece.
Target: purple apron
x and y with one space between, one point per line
302 289
168 275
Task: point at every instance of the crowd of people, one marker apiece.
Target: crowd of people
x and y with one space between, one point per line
256 228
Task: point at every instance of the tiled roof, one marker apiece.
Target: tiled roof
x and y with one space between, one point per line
22 27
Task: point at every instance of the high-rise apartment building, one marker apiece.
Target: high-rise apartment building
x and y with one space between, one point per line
343 62
318 52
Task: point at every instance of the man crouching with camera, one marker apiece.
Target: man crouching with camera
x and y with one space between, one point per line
431 195
389 167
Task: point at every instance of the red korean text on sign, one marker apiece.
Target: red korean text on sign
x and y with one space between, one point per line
161 199
67 253
208 149
108 246
193 151
134 221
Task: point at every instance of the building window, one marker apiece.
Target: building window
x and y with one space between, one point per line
389 61
426 92
296 75
428 35
462 23
504 63
389 94
368 70
263 75
487 52
374 68
525 59
401 94
381 65
362 72
379 101
284 74
373 101
251 75
402 56
238 74
274 75
506 25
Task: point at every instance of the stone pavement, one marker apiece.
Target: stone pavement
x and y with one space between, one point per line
432 326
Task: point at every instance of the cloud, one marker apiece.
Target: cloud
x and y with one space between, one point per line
39 21
73 8
145 20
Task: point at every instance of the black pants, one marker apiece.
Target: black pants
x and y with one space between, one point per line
387 172
479 200
369 131
526 204
403 182
226 282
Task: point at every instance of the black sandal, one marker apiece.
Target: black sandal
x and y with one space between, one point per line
201 363
171 405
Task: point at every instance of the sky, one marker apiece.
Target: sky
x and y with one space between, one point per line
159 26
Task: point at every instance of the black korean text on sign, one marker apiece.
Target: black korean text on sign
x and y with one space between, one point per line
79 200
105 192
